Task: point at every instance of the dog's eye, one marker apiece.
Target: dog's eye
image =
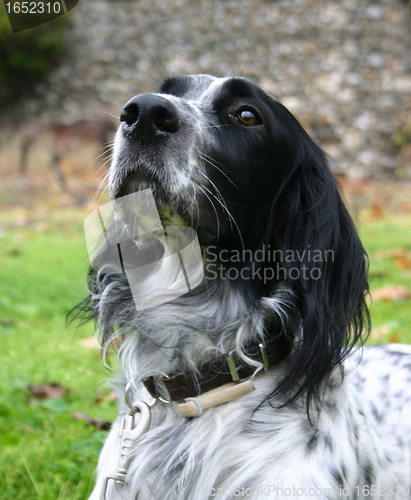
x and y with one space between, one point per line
248 117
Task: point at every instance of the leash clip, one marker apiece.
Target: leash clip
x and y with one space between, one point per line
129 434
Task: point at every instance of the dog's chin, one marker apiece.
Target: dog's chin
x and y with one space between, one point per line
137 181
173 209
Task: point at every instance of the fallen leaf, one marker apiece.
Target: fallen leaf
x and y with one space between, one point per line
380 331
394 340
103 396
99 423
110 398
376 210
390 293
48 391
400 256
389 253
384 254
402 262
90 343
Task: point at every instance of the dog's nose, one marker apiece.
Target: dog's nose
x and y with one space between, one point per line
149 115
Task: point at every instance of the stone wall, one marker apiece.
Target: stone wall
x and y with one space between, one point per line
343 67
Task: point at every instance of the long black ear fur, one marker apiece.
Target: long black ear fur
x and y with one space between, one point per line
309 214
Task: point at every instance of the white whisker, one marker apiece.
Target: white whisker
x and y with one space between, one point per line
214 208
210 161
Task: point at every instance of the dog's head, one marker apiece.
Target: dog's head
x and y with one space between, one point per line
214 150
225 158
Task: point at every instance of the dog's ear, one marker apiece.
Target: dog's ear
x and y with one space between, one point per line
325 267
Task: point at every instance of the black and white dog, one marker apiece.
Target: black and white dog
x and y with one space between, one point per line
276 318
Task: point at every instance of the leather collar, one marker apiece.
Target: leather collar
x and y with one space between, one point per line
183 385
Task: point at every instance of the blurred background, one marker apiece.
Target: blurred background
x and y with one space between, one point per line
343 67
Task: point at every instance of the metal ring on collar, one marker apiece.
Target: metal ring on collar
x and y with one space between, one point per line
195 401
127 396
164 400
130 404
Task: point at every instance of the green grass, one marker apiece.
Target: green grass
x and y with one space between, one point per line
44 452
378 238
